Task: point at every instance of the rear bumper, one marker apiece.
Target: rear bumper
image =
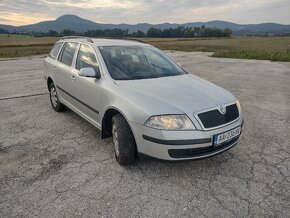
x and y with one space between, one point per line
180 145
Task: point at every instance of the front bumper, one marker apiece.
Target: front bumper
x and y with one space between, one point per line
181 145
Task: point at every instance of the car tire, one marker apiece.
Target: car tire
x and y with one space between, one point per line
123 141
56 105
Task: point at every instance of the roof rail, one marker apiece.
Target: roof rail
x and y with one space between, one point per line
76 37
130 39
137 40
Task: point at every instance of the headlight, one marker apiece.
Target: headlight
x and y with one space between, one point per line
239 106
170 122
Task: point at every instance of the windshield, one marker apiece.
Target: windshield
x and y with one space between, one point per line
138 62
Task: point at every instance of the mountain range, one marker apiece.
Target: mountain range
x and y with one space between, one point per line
79 24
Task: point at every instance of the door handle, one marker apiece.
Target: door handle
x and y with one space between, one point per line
73 77
54 69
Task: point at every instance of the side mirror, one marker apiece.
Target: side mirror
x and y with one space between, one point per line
90 72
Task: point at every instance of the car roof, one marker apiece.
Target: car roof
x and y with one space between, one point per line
105 42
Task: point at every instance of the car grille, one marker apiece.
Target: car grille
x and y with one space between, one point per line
215 118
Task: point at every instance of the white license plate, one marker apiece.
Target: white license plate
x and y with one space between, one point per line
226 136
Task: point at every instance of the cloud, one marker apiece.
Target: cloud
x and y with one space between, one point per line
19 12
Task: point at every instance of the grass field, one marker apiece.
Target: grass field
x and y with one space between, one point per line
261 48
14 36
22 45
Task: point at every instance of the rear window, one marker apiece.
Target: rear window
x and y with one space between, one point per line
68 53
54 51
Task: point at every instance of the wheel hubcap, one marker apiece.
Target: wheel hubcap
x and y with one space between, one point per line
115 140
53 96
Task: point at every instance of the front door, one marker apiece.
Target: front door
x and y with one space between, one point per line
87 90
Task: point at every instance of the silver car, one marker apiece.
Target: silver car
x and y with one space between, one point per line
146 102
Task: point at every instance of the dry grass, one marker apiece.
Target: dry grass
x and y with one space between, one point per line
19 46
249 43
22 51
263 48
26 41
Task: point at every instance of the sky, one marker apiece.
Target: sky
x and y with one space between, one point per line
22 12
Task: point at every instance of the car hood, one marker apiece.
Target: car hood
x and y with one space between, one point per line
187 93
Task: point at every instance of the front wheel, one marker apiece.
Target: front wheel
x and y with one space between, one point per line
123 140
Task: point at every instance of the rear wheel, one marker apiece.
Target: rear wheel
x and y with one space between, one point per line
56 105
123 140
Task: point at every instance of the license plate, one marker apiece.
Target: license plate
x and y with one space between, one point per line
226 136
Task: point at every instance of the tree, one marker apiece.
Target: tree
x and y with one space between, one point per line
228 32
154 32
52 33
68 32
3 31
140 34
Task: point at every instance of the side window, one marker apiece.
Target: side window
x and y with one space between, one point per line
54 51
68 53
86 57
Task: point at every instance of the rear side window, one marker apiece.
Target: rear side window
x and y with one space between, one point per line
54 51
68 53
86 57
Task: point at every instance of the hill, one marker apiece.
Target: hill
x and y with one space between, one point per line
78 24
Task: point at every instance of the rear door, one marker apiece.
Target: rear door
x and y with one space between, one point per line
49 62
63 72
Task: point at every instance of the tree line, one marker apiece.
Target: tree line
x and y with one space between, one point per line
189 32
179 32
2 31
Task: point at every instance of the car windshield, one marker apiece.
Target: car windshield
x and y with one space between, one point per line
138 62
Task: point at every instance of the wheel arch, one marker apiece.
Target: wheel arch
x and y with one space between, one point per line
107 122
49 82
